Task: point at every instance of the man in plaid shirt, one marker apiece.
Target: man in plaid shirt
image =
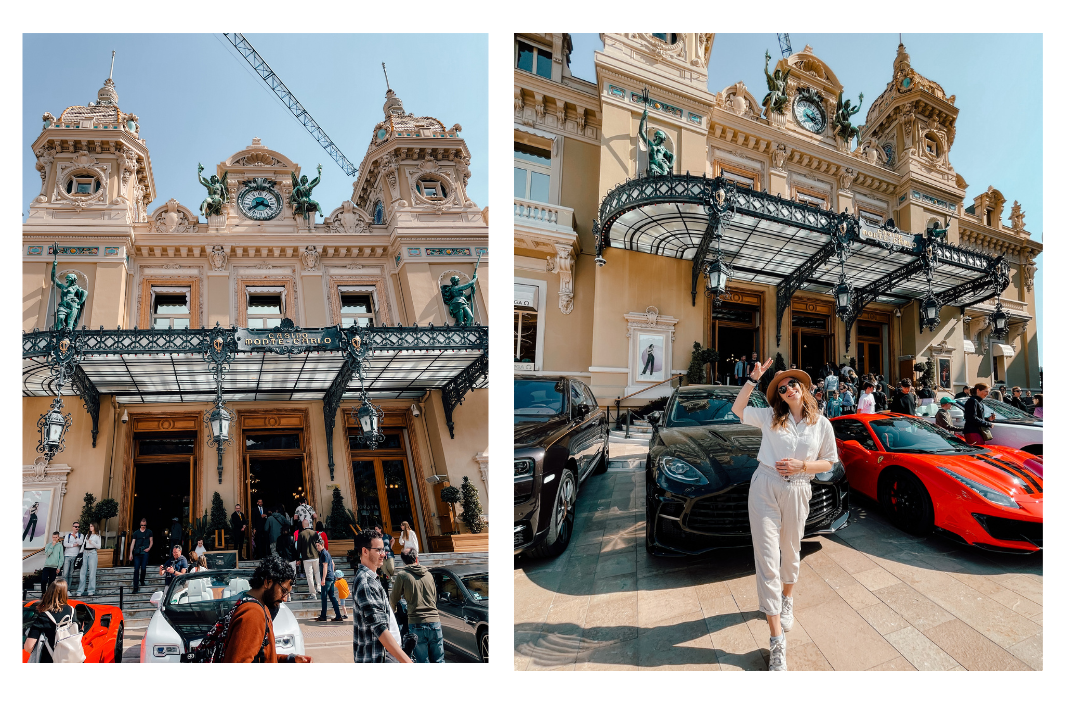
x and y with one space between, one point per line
373 637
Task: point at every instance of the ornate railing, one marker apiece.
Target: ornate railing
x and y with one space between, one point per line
536 213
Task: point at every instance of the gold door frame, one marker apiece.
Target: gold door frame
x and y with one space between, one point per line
170 423
274 420
377 456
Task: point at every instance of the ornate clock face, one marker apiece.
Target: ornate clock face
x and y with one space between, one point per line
259 203
810 115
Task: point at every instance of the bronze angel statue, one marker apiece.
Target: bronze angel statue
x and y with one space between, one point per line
844 130
459 298
300 198
217 194
776 99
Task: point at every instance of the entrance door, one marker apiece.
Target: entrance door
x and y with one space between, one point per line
277 481
868 348
812 352
383 495
734 335
162 492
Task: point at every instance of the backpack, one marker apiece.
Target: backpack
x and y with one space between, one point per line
212 648
67 641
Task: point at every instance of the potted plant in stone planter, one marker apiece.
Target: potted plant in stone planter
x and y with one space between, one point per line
451 495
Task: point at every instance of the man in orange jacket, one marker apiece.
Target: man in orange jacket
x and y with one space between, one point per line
251 632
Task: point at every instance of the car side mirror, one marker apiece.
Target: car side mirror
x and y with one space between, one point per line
654 418
582 410
444 596
157 597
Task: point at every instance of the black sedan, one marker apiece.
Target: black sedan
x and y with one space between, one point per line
463 608
560 438
697 477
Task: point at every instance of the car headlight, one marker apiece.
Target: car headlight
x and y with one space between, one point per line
160 651
989 494
284 642
679 470
523 469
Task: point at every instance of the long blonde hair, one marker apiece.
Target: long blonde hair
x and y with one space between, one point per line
781 410
55 597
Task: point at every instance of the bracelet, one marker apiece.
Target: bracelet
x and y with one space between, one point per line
751 380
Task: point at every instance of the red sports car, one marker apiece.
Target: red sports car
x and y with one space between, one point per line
102 628
925 478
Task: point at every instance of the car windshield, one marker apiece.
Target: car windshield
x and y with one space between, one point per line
1004 411
707 406
477 586
538 398
913 436
195 602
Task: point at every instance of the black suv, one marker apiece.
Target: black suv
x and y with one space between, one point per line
560 438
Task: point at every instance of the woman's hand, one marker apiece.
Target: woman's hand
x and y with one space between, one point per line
760 368
787 467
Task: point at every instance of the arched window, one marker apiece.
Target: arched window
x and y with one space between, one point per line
378 216
83 184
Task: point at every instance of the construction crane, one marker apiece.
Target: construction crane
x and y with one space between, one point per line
278 86
785 44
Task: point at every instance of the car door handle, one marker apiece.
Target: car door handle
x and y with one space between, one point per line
470 620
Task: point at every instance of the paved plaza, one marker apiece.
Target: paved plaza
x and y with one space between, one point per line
868 598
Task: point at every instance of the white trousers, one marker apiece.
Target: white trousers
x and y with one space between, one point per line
311 570
778 511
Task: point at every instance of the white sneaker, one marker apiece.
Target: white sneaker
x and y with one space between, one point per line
787 612
777 650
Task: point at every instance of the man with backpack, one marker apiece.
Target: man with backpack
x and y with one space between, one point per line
249 630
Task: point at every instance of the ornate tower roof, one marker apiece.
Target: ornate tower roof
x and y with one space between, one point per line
398 123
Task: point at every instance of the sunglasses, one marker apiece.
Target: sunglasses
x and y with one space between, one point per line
784 388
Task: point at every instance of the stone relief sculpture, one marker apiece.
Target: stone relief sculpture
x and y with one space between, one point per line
842 118
776 99
300 198
45 157
217 194
459 298
218 257
348 219
71 298
661 160
310 258
1016 217
173 219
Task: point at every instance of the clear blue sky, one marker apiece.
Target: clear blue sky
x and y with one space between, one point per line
997 79
199 101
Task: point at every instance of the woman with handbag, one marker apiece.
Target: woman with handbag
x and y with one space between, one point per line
407 539
52 610
89 563
796 443
977 423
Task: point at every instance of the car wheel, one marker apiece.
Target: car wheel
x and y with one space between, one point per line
906 502
601 465
561 526
118 651
482 643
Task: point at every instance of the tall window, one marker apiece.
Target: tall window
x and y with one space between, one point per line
378 217
532 172
534 60
265 307
170 307
804 196
357 307
525 323
669 37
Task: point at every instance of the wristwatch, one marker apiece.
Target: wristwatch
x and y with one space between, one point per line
751 380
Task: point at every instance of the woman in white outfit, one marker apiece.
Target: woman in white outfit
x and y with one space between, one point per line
407 539
796 443
89 565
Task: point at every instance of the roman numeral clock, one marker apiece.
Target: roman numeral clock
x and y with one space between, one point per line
808 110
258 200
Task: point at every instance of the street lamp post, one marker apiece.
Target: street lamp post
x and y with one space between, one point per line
217 421
369 419
52 425
1000 320
718 274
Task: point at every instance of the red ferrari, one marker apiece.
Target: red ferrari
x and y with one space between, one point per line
925 478
102 628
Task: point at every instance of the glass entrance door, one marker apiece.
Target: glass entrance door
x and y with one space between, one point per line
383 495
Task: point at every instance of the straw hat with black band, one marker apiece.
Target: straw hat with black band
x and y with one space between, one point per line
801 376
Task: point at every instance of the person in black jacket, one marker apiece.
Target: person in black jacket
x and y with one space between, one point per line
903 400
880 401
238 525
975 417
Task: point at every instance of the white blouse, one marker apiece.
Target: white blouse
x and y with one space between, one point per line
803 441
93 542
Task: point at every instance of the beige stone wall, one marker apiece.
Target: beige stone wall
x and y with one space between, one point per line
580 185
456 457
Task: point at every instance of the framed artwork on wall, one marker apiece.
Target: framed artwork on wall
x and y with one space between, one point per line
651 358
944 373
36 509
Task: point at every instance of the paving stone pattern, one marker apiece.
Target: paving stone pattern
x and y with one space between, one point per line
868 598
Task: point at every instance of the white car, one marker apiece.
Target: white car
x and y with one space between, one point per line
1013 428
190 607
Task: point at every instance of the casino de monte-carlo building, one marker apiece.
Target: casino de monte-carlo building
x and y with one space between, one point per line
611 259
246 351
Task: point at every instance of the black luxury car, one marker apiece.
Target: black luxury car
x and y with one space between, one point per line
463 607
560 438
697 477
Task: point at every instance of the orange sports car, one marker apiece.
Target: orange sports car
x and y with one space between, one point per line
102 628
926 478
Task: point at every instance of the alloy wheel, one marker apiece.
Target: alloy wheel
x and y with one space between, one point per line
564 507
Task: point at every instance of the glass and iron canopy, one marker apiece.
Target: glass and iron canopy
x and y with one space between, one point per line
770 240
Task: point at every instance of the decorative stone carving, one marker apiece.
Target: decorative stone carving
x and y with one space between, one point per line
738 100
847 176
519 99
538 106
45 159
172 218
218 258
1016 218
349 219
779 155
563 264
482 460
1028 271
310 258
83 163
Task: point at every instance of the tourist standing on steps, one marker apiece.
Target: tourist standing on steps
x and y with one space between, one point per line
796 443
416 585
375 634
54 560
326 580
89 565
305 545
141 542
73 544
